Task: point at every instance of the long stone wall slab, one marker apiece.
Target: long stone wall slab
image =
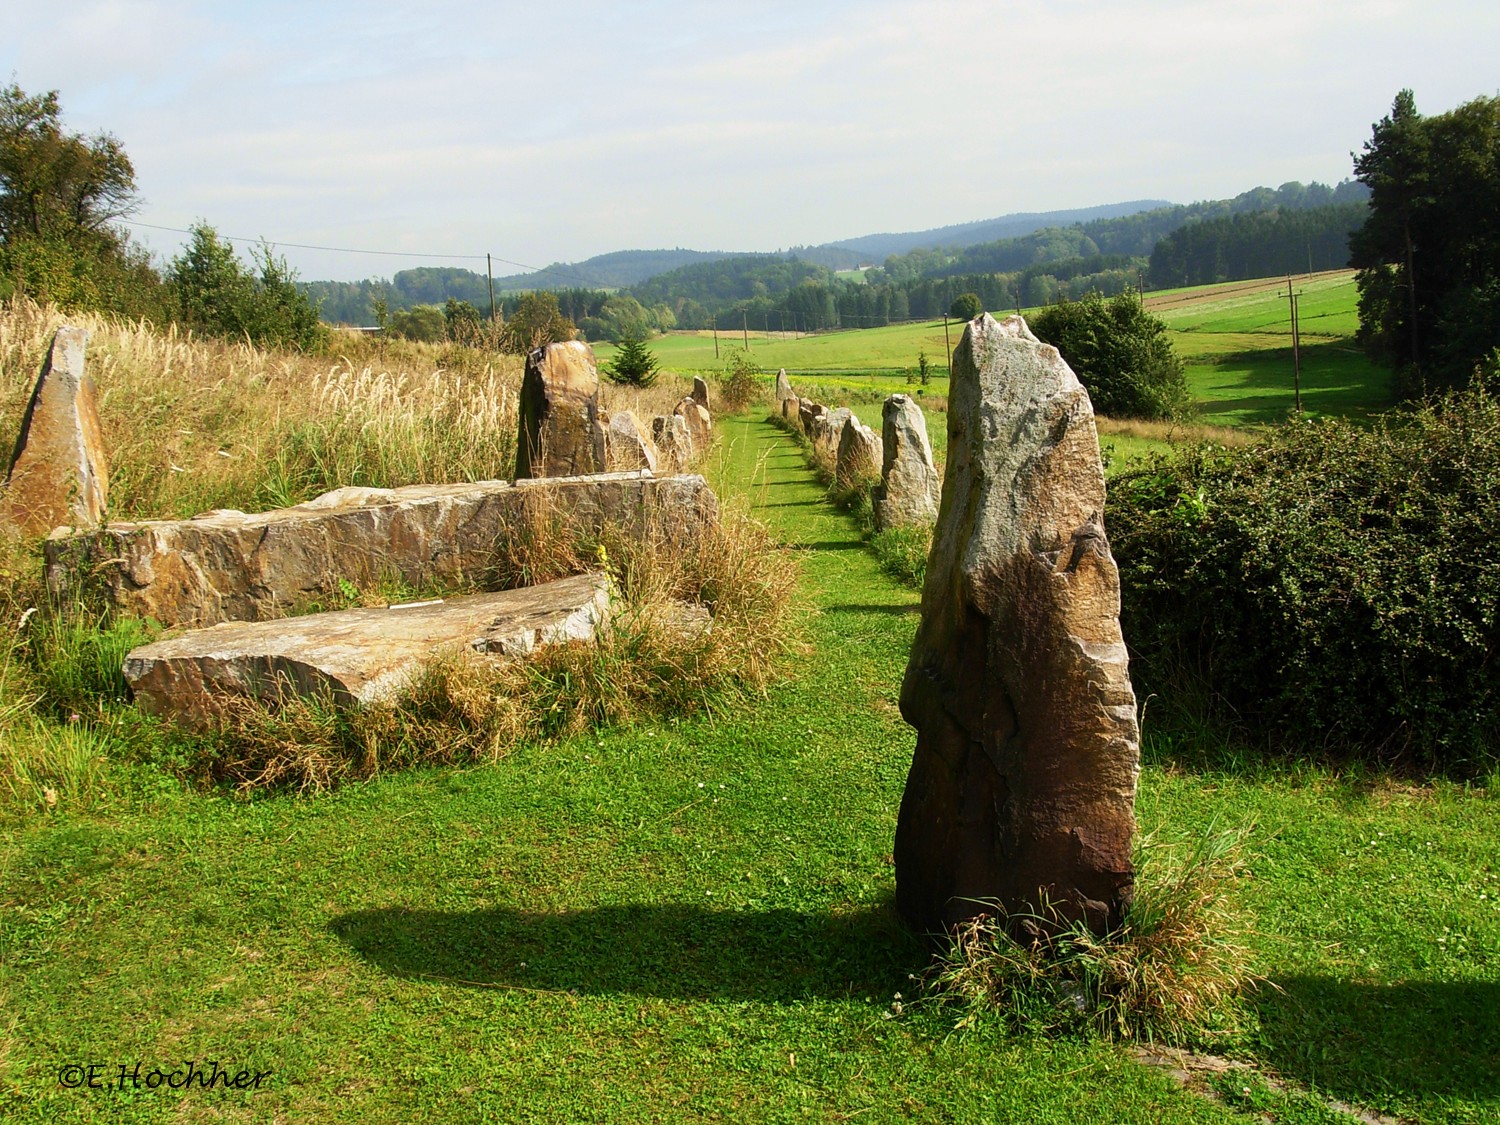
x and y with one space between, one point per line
230 566
353 656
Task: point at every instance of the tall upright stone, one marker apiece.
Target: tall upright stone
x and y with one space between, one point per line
859 455
699 424
1022 788
58 475
560 432
626 445
700 391
791 411
674 444
908 489
783 387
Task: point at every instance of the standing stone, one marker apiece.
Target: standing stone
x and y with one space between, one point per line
700 391
827 431
1022 788
908 491
859 456
58 476
560 431
783 386
807 414
674 445
791 410
626 446
700 425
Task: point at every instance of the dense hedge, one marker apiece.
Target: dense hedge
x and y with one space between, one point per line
1331 588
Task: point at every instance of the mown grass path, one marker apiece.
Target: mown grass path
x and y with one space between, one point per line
684 921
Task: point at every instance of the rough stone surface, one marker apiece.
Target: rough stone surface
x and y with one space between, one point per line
229 566
674 444
859 456
1022 787
808 412
791 410
354 656
560 431
58 474
699 423
827 430
700 391
783 386
908 489
626 445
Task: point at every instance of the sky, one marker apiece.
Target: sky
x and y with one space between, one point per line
439 132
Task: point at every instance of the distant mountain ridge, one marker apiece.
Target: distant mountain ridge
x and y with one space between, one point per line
880 246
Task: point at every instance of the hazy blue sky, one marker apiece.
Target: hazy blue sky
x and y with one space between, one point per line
541 132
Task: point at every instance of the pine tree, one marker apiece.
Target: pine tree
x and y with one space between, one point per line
634 365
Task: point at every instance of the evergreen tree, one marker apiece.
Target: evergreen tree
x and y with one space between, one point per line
634 365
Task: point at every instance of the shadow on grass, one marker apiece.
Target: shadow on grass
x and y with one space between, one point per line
828 544
1420 1039
670 950
1336 379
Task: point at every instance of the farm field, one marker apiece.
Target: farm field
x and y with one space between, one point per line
1235 339
691 921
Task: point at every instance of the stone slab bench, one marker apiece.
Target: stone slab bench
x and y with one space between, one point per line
354 656
229 566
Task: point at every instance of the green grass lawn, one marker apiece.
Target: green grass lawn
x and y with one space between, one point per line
691 921
1235 339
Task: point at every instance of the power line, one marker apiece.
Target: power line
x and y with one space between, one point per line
378 253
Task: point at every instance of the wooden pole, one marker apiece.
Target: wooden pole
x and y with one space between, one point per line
489 272
948 343
1291 298
716 335
745 328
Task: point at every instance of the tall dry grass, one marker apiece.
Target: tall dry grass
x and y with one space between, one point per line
192 424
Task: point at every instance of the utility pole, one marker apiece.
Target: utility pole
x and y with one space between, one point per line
1291 296
716 335
489 272
745 328
948 343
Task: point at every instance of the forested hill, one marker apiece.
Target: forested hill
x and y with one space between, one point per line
875 247
608 271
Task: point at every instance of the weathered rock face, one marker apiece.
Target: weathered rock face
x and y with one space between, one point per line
791 410
1022 788
626 446
783 387
560 432
827 430
859 455
700 425
229 566
674 445
354 656
908 490
58 475
700 391
808 412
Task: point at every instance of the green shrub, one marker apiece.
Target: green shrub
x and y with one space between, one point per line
1329 587
739 382
1120 352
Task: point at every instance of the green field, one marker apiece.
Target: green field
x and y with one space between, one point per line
691 921
1235 339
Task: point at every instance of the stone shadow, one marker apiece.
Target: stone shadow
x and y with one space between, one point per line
1424 1039
667 950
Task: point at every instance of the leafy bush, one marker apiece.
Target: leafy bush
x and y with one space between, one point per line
218 296
1120 352
1330 586
739 382
966 306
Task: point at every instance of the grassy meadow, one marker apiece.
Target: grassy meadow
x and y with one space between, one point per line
668 917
